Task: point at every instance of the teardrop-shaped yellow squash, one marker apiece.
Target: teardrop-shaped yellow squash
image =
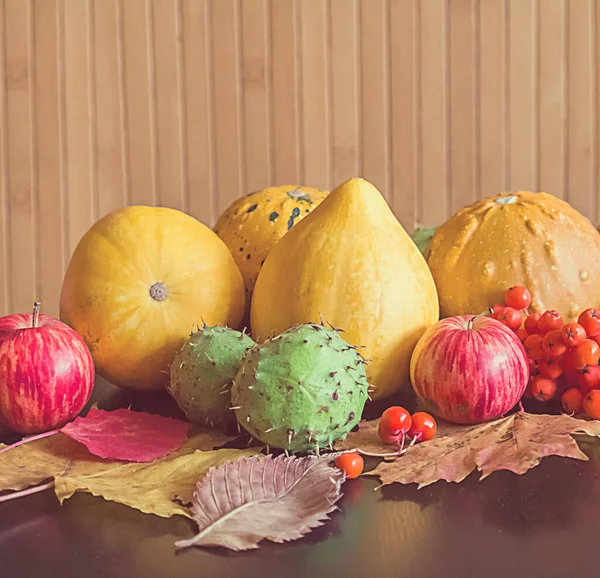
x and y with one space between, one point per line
139 280
351 261
252 225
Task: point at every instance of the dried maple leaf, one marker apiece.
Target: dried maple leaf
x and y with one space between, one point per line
133 436
280 499
35 462
162 487
516 443
366 441
74 469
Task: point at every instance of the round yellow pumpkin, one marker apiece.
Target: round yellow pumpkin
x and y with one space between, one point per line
138 282
252 225
351 262
531 239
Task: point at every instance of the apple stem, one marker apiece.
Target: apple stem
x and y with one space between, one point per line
36 313
27 492
30 439
483 314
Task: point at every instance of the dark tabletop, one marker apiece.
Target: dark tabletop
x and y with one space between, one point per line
545 523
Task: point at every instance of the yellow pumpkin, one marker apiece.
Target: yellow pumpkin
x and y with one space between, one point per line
352 262
137 283
531 239
252 225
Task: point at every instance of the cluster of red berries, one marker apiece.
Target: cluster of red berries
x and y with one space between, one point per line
396 423
563 358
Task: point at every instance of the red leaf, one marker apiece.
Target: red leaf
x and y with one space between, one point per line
127 435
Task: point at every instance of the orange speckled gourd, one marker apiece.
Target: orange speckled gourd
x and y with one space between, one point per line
138 282
252 225
351 262
531 239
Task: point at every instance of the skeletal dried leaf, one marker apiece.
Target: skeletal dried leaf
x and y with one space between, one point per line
280 499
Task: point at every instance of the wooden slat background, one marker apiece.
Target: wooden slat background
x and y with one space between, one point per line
192 103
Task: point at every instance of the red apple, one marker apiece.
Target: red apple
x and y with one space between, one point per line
469 369
46 372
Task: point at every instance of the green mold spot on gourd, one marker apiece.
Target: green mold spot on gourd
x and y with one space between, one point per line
251 208
273 216
295 214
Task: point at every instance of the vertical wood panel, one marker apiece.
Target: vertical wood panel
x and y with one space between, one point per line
192 103
225 82
78 122
522 63
256 66
374 109
595 217
463 104
51 220
316 151
404 37
344 89
164 85
139 139
492 89
582 121
5 300
284 31
108 144
18 81
434 113
197 129
552 110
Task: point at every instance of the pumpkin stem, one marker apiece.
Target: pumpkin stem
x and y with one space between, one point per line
36 314
158 292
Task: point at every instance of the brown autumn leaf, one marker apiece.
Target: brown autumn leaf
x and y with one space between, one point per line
515 443
280 499
161 487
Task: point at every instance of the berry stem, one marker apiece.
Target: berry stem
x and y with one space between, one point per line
401 451
402 444
36 314
30 439
372 455
27 492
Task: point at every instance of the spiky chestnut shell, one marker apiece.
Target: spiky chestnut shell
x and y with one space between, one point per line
301 390
201 374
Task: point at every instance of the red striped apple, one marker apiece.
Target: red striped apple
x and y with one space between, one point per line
46 372
469 369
